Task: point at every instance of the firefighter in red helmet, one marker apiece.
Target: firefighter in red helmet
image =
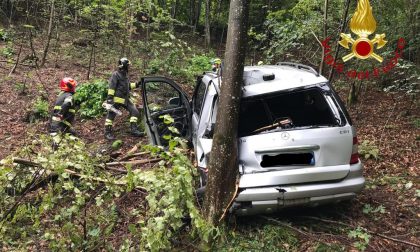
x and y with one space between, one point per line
63 113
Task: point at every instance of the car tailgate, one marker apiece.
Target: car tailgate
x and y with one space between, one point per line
296 156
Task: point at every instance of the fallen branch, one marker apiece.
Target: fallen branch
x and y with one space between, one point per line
135 162
129 156
73 173
370 232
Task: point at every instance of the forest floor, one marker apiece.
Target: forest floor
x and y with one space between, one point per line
384 217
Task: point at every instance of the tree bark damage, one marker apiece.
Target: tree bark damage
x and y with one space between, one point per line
223 166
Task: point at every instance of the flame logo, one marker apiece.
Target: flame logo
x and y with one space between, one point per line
363 24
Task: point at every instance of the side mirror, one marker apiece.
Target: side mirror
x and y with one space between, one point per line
175 101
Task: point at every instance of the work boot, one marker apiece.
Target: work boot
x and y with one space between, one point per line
135 130
108 133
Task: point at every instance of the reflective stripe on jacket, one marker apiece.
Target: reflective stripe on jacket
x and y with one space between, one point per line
63 112
120 86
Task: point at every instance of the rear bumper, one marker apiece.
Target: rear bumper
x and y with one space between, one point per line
270 199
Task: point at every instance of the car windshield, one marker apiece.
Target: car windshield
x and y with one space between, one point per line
297 109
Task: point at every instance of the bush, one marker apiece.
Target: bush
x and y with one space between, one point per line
90 97
39 110
4 35
368 149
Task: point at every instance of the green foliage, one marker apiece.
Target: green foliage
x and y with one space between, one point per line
81 211
368 149
90 96
172 56
8 51
416 123
323 247
405 78
4 35
367 209
362 236
20 87
40 108
117 144
252 238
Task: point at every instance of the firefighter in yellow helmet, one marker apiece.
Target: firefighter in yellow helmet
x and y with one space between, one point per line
217 65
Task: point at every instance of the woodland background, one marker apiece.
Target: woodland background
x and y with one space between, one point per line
67 200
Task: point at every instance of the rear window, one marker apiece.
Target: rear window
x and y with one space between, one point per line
304 108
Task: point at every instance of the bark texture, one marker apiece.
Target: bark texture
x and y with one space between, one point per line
223 166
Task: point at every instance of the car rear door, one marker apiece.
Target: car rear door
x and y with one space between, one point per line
165 105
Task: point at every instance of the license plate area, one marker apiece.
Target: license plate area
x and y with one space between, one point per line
288 159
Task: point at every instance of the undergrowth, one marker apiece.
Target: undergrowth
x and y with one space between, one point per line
90 96
70 201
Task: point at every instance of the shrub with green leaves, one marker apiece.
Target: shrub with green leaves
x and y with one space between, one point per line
362 237
90 96
368 149
38 111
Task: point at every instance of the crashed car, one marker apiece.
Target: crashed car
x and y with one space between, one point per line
297 145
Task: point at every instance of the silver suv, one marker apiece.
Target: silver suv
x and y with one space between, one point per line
297 145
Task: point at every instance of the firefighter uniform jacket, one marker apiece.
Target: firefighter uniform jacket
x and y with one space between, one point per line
63 113
119 87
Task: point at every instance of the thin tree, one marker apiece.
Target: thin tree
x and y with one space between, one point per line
321 65
342 28
49 34
223 166
207 25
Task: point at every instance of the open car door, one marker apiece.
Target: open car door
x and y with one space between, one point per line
164 99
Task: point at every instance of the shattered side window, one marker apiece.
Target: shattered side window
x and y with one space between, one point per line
303 108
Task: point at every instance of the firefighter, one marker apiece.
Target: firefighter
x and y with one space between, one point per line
216 65
63 114
119 97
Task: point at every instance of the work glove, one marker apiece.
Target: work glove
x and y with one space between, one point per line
110 100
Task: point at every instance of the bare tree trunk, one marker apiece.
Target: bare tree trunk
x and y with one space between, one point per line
174 8
17 60
92 54
208 38
321 65
197 14
337 47
192 13
49 34
223 166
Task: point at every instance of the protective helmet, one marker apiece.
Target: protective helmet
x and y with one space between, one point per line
216 61
124 63
68 85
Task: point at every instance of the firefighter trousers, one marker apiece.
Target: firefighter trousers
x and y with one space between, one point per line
130 107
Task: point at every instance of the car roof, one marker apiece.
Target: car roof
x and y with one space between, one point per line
272 78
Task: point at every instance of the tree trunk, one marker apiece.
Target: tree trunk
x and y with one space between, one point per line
49 34
197 14
337 47
174 8
208 24
321 65
192 11
223 166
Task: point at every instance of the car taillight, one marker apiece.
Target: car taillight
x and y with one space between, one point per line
355 152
